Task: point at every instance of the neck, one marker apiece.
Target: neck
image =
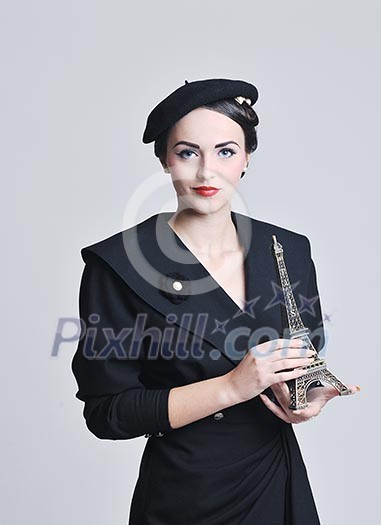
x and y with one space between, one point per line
211 235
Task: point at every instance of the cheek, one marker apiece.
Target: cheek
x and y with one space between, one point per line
181 171
233 164
231 170
182 177
173 159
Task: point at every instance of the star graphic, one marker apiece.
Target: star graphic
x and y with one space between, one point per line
220 326
248 308
327 317
278 294
307 304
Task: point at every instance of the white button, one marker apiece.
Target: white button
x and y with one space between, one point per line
159 434
177 285
218 416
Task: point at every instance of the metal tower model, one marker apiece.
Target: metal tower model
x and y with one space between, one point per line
317 370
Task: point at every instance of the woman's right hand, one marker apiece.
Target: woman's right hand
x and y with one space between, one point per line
260 368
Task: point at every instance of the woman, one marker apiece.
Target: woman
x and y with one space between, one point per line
182 337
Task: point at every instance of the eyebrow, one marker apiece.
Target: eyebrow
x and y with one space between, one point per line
186 143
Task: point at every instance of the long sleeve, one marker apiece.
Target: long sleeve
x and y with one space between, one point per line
117 403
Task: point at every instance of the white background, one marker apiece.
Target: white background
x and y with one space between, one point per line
78 81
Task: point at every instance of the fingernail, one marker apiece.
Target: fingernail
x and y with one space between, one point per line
358 388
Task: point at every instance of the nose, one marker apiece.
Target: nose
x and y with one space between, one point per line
206 171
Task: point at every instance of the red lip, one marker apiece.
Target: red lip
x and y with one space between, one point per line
205 188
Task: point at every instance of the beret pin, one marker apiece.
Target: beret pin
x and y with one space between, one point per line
241 99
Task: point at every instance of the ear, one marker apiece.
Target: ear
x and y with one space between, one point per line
164 165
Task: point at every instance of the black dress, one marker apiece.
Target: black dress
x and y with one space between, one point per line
239 466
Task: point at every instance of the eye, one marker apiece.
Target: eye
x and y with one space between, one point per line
229 150
184 153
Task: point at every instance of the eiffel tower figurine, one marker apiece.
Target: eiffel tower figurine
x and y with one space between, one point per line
317 370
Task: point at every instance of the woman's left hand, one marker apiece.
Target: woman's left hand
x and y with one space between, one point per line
317 398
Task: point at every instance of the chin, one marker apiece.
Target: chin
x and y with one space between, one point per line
202 205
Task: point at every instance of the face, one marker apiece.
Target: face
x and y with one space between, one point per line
206 148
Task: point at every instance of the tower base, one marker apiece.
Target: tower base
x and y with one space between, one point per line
316 371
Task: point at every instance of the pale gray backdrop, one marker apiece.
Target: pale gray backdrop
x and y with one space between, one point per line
78 81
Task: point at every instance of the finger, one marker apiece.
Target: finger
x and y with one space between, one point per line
294 342
279 377
282 395
302 411
269 347
293 416
354 389
330 391
306 413
274 408
285 364
282 387
293 353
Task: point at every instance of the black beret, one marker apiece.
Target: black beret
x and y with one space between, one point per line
190 96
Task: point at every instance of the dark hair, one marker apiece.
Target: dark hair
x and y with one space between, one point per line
243 114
